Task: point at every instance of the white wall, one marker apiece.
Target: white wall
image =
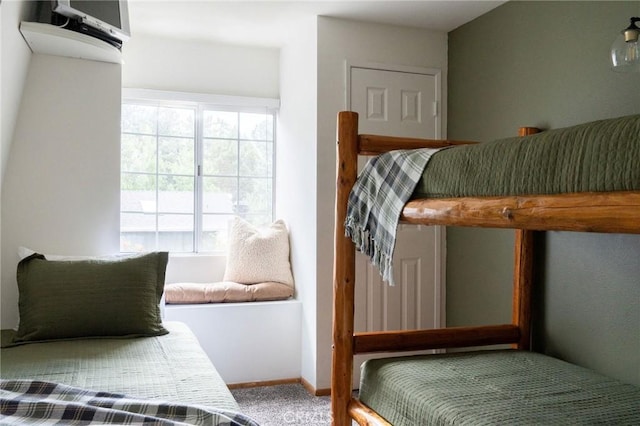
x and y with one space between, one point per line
61 189
15 56
297 171
247 342
14 62
200 67
340 40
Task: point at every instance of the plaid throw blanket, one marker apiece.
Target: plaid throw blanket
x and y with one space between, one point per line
376 201
46 403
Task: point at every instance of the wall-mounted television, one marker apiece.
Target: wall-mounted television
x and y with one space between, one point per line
108 17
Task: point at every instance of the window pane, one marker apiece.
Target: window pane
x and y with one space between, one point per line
220 124
138 153
175 232
270 131
259 220
255 158
176 122
138 182
176 194
255 196
219 194
164 202
137 232
217 202
253 126
270 158
139 119
214 232
220 157
176 155
138 201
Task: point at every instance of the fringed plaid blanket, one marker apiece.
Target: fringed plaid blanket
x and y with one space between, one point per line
376 201
46 403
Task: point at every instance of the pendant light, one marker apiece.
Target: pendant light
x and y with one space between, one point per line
625 51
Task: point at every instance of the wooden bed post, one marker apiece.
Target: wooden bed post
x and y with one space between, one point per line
522 284
343 272
523 275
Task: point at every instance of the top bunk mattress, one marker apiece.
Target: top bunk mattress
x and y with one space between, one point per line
172 367
600 156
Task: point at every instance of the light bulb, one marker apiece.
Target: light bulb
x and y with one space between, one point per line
631 54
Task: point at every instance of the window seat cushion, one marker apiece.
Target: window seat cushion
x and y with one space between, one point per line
225 291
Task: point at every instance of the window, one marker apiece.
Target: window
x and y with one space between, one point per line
188 167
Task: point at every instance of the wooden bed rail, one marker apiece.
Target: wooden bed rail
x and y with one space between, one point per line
437 338
364 415
585 212
375 144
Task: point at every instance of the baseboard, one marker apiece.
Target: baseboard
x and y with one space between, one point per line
313 391
263 383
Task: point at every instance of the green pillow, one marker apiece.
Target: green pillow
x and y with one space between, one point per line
90 298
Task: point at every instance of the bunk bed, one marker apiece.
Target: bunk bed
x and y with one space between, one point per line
488 386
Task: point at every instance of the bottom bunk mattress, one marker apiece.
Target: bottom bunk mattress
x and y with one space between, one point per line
494 387
171 367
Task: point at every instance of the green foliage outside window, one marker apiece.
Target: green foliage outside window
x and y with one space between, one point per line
162 147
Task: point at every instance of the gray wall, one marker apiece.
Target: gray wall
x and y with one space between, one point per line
546 64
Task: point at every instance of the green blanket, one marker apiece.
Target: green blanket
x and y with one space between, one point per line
593 157
171 367
505 387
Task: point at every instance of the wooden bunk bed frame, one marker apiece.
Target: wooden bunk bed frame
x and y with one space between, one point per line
610 212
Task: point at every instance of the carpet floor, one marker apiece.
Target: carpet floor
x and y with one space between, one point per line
282 405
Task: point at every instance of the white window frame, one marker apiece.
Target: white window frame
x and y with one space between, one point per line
201 102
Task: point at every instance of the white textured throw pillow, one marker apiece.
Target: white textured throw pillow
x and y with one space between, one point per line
258 255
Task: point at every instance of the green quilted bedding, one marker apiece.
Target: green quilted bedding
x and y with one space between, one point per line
502 387
593 157
171 367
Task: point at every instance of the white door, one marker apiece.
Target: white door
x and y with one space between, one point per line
399 102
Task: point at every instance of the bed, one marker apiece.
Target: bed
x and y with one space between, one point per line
109 359
583 178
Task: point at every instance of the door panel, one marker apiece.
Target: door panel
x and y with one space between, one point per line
394 103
